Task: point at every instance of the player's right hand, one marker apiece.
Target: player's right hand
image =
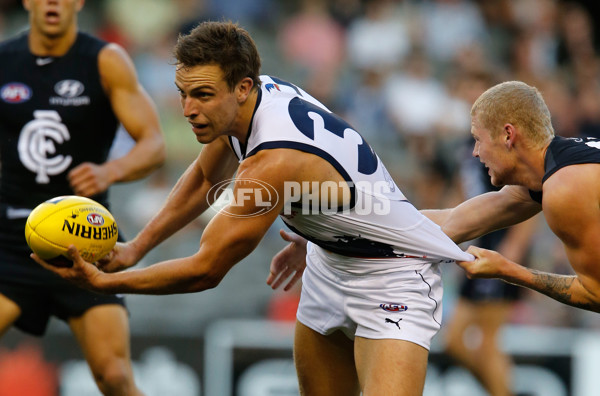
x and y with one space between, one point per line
290 261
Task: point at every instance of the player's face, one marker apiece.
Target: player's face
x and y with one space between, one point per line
208 104
52 18
492 152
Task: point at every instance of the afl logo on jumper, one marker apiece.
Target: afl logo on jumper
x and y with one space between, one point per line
69 92
15 92
37 145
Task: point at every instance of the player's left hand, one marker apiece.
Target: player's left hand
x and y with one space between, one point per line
290 261
487 263
81 273
88 179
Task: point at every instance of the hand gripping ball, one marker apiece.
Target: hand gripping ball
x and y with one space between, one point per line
71 220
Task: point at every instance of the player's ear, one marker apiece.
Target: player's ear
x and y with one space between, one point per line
26 5
243 88
509 135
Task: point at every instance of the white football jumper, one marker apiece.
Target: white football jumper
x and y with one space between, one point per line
372 267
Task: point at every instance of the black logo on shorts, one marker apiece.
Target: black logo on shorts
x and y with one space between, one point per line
388 320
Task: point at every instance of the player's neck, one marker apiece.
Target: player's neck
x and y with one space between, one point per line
246 114
41 44
533 168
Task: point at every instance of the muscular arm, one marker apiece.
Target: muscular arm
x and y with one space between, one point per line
228 238
189 197
137 113
573 213
572 209
485 213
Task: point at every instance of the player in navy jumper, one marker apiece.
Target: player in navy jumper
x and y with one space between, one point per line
63 94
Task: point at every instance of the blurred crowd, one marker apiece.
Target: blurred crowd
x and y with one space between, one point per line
404 73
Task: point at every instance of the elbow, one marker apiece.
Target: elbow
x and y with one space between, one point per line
205 281
455 234
159 154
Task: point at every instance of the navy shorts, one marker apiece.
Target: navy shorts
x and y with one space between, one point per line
488 290
39 293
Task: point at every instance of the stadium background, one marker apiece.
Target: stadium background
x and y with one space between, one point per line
404 73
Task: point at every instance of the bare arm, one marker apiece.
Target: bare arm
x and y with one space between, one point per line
189 197
485 213
228 238
573 213
137 113
186 201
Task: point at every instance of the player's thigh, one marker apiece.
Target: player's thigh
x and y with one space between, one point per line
103 333
390 367
324 363
9 312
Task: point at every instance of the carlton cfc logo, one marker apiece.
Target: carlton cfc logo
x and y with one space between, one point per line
95 219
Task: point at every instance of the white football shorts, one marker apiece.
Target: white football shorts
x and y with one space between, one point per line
405 304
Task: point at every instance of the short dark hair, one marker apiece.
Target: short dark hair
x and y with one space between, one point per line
225 44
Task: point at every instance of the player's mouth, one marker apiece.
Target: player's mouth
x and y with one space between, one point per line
198 128
52 17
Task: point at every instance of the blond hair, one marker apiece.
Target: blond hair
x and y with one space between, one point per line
516 103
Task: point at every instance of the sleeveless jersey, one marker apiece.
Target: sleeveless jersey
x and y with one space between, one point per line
568 151
380 222
54 115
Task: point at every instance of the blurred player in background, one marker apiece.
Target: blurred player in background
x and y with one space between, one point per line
63 95
371 296
484 305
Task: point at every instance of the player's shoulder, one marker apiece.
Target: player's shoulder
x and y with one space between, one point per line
88 45
15 44
571 184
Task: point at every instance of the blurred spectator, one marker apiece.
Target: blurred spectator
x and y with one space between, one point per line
448 26
364 107
534 55
143 29
313 41
588 103
381 38
414 101
245 12
345 11
561 103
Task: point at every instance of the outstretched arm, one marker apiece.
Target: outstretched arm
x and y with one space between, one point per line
186 201
229 237
567 289
573 213
485 213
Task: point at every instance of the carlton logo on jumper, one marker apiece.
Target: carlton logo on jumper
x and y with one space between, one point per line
69 92
242 197
38 142
90 232
393 307
15 92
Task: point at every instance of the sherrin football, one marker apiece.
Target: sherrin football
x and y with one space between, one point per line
71 220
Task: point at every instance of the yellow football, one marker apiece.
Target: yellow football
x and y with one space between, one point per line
71 220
